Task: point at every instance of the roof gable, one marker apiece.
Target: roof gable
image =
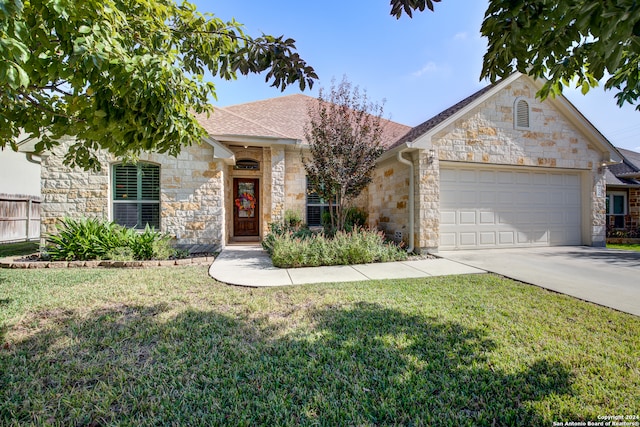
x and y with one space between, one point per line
419 137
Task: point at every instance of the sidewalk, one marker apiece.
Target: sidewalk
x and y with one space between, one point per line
252 266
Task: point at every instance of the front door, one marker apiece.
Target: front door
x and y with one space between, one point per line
246 207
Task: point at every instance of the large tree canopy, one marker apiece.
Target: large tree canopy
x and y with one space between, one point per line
567 42
123 75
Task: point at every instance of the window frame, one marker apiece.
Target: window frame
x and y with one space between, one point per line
140 200
610 202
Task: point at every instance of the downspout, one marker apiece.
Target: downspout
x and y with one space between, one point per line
402 160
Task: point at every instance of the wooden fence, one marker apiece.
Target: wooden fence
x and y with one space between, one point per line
19 218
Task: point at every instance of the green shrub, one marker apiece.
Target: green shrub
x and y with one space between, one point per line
292 219
359 246
355 217
278 229
89 239
85 239
121 253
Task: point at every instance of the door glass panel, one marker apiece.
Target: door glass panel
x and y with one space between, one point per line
246 200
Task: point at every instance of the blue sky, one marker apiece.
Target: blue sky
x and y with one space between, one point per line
420 66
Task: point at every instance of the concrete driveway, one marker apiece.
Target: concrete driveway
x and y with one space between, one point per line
604 276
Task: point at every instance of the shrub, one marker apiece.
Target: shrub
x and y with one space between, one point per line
278 229
359 246
292 219
89 239
85 239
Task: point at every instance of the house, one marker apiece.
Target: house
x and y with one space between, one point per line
19 194
623 193
498 169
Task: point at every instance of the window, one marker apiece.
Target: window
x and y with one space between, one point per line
316 206
617 206
136 195
247 164
521 114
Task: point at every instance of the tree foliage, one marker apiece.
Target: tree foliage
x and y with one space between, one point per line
344 134
568 42
123 75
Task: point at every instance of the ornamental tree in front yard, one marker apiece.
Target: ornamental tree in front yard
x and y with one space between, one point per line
344 135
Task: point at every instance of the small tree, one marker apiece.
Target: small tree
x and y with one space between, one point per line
344 135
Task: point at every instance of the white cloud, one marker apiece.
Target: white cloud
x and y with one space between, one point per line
461 36
430 67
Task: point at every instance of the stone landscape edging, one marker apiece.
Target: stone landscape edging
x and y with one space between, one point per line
17 264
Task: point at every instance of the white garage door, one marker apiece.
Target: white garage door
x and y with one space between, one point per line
493 208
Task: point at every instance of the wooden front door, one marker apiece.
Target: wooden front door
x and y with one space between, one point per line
246 208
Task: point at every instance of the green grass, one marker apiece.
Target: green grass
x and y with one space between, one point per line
169 346
626 247
19 248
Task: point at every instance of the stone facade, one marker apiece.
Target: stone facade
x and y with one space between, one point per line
388 199
295 183
197 200
191 202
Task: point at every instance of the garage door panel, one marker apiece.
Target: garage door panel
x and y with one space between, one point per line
448 239
448 218
467 217
487 197
487 217
505 177
487 238
506 237
468 239
487 177
508 208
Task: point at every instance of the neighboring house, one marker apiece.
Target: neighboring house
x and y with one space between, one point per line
19 174
498 169
19 194
623 193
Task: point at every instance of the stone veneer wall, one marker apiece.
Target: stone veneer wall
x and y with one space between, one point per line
278 187
191 205
388 198
295 197
487 135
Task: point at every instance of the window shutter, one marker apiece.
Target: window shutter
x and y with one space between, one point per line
136 195
522 114
149 182
126 182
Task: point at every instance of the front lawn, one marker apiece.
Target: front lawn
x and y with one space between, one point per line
169 346
625 247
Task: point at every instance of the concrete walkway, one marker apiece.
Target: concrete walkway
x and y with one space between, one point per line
252 266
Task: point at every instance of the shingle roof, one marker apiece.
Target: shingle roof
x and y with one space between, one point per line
281 117
424 127
625 173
